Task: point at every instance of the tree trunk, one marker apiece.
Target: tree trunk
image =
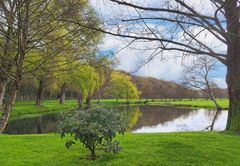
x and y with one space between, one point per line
217 106
3 85
39 100
63 93
212 97
233 81
8 106
93 154
88 102
80 101
22 35
233 65
99 98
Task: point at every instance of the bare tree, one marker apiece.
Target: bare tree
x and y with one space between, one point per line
197 75
183 27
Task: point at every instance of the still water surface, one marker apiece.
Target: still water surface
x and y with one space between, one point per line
142 119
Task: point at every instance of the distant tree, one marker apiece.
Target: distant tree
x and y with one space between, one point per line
121 87
197 75
104 69
85 80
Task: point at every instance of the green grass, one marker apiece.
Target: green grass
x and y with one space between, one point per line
29 109
197 103
196 148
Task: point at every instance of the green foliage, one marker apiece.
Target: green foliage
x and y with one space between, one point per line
93 127
121 87
86 79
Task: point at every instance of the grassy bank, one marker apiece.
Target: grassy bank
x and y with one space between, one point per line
29 109
195 103
200 148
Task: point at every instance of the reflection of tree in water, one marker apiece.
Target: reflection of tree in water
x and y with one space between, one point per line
216 115
131 115
35 125
154 115
137 117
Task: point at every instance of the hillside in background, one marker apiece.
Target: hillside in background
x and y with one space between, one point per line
155 88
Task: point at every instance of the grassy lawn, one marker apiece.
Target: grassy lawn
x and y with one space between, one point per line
196 148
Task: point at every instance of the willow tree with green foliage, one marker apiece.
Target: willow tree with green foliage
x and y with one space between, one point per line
28 26
85 80
104 68
122 87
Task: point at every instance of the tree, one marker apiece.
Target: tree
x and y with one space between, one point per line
121 87
104 69
93 127
197 75
182 26
85 80
27 26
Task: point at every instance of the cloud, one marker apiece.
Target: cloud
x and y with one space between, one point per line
221 82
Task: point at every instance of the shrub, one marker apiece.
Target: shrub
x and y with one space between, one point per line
95 127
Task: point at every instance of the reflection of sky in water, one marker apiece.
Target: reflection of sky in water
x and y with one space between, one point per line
197 120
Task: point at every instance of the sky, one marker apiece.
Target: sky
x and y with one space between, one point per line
168 66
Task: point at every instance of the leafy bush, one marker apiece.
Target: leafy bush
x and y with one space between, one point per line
95 127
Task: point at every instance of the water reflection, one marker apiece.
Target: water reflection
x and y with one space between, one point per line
37 125
176 120
143 119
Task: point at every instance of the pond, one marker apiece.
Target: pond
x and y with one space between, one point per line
141 119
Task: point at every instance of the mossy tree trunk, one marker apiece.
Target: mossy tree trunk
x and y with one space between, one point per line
233 64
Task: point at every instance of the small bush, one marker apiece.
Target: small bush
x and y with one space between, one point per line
95 127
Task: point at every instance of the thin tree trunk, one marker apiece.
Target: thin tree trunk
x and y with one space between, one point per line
99 98
8 106
88 102
3 85
63 93
212 97
80 101
218 107
39 100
